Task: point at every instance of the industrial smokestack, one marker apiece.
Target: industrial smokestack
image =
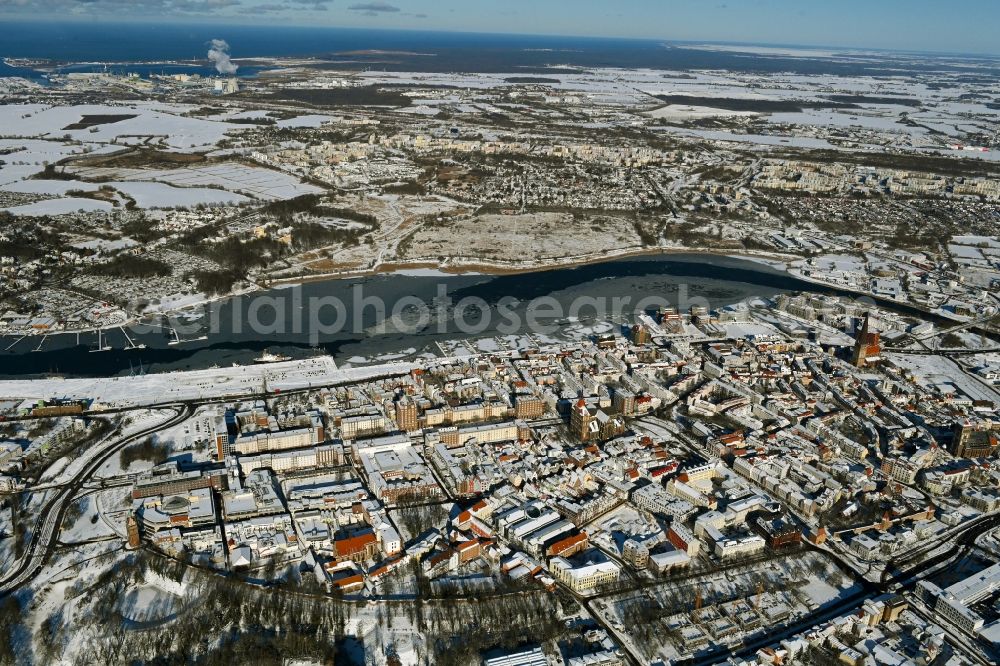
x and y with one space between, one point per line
219 54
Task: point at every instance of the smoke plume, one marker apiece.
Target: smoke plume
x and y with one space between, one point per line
219 54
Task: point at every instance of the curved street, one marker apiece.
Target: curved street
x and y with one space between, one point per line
44 538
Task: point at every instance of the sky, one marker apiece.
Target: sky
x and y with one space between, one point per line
956 26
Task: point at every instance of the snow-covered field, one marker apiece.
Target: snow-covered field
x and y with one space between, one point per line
162 123
89 526
309 120
53 187
38 135
60 206
162 195
902 111
147 603
250 181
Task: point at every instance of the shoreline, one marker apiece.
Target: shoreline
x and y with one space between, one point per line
699 260
774 261
777 262
481 268
486 268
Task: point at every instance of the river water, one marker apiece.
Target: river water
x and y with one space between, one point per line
304 320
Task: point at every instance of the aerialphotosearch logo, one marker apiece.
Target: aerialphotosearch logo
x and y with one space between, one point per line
289 312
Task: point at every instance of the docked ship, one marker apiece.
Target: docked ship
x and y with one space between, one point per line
268 357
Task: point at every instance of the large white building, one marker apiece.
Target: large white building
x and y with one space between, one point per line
363 424
328 455
585 578
954 603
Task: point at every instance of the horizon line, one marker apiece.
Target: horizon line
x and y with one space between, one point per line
225 22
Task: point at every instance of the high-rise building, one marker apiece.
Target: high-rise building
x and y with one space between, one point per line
406 415
223 441
132 528
624 401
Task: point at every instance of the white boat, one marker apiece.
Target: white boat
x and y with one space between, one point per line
268 357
